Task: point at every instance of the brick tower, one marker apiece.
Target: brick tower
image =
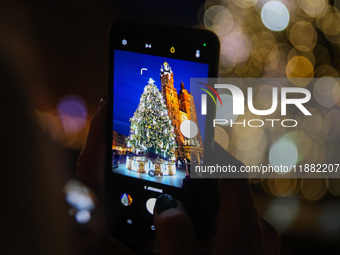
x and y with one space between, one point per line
179 110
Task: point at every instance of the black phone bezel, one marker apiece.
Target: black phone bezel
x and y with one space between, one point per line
159 34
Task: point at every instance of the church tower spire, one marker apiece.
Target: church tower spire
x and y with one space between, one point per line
170 97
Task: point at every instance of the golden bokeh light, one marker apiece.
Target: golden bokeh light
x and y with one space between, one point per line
330 25
312 125
313 8
245 3
303 36
333 118
326 70
326 92
251 159
299 14
321 18
250 143
284 187
334 187
262 43
299 67
278 59
255 64
304 43
314 189
337 6
304 52
264 96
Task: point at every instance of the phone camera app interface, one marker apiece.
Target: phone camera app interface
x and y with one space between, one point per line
154 117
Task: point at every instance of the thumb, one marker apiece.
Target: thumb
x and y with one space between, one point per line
91 161
174 228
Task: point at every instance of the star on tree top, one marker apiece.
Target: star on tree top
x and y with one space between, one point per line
151 81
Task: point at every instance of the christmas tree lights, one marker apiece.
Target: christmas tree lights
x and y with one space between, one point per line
151 130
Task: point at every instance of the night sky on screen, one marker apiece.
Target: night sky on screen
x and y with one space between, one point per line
129 83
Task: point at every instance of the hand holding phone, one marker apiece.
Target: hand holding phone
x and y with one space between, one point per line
132 198
149 107
238 228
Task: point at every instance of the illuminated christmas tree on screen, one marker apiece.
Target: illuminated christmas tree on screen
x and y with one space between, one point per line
151 129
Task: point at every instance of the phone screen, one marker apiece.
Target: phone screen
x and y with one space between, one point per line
152 111
150 104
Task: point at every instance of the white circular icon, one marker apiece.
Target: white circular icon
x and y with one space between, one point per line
150 204
189 129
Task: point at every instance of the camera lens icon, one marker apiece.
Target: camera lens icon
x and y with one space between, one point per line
189 129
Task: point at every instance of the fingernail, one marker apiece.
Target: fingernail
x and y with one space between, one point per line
165 202
102 100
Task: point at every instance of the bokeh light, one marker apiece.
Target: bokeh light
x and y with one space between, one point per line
283 187
225 111
283 212
329 220
312 125
250 143
286 39
83 216
245 3
333 118
337 6
334 187
69 123
78 195
312 188
326 70
235 48
219 19
304 52
283 153
313 8
327 92
80 199
330 25
277 60
73 113
300 67
275 15
303 36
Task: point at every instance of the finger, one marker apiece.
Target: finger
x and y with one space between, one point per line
91 161
235 196
175 231
237 222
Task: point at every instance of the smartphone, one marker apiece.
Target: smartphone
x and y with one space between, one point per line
150 66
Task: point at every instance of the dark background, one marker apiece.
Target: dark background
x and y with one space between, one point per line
60 48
